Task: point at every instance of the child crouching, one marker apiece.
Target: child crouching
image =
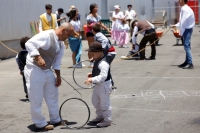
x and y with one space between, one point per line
100 76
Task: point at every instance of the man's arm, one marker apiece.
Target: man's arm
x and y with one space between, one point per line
58 78
134 37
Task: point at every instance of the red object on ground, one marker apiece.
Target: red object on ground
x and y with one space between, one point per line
159 34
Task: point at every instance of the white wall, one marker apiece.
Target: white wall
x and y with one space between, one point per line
17 14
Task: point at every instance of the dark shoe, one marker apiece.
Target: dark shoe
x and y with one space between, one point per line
188 66
61 123
182 65
114 88
45 128
152 58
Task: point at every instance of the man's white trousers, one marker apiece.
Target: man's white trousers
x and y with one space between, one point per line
41 84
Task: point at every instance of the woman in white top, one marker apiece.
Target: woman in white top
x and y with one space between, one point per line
75 40
118 16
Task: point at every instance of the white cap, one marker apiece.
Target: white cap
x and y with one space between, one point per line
117 7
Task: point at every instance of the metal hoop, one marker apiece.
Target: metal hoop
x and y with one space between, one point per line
68 127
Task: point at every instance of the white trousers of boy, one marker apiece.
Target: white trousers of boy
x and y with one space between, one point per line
101 100
41 84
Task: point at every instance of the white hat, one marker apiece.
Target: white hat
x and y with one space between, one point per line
72 7
117 7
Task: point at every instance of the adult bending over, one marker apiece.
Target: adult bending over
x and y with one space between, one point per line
45 51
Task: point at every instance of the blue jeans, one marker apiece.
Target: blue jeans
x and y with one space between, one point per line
186 41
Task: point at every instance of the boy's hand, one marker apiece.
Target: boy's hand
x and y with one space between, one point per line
88 81
89 75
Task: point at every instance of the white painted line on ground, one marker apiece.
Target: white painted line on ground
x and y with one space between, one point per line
162 94
146 110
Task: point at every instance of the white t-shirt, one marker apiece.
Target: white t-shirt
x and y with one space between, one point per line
117 22
76 25
130 14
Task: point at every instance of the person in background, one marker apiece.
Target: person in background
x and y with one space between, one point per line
73 7
109 50
186 24
21 61
130 16
61 17
124 36
118 17
75 40
48 20
91 19
147 29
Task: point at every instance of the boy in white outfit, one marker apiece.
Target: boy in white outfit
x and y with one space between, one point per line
100 76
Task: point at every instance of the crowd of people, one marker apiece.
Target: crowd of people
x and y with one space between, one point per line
44 51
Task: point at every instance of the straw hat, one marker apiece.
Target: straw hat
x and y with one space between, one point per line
72 7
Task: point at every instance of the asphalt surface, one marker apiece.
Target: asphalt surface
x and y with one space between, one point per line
153 96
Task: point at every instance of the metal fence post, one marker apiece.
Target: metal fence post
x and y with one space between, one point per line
169 13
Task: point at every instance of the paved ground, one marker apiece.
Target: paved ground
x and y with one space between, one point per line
166 97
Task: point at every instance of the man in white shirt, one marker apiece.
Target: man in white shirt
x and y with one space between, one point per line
130 16
186 24
48 20
45 51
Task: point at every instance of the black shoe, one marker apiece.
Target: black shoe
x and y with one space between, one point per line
114 88
152 58
182 65
188 66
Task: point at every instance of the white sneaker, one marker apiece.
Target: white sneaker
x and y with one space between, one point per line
104 123
97 119
83 65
